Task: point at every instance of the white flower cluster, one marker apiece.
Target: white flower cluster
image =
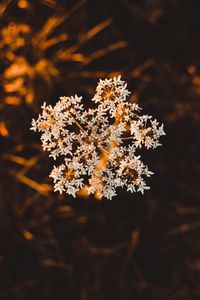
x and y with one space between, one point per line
98 146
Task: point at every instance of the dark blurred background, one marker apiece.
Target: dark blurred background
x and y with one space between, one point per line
134 247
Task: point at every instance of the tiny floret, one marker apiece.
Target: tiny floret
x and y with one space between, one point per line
99 147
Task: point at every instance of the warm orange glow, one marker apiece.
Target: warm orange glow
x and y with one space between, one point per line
69 174
29 98
64 209
78 57
22 4
28 235
10 55
100 166
196 80
14 85
191 69
3 130
92 32
41 188
2 8
13 35
45 44
16 159
102 162
19 68
97 195
83 192
13 100
113 144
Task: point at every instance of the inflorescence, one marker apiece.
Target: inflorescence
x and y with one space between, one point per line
98 146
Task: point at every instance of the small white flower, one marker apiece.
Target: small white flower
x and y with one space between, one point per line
99 147
34 125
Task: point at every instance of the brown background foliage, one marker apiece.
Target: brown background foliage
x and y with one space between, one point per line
134 247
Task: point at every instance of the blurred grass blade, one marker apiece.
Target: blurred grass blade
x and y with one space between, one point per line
67 54
95 30
103 52
54 21
41 188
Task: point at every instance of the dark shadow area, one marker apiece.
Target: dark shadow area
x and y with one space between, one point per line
133 247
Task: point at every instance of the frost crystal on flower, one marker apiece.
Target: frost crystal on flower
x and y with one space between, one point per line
98 147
